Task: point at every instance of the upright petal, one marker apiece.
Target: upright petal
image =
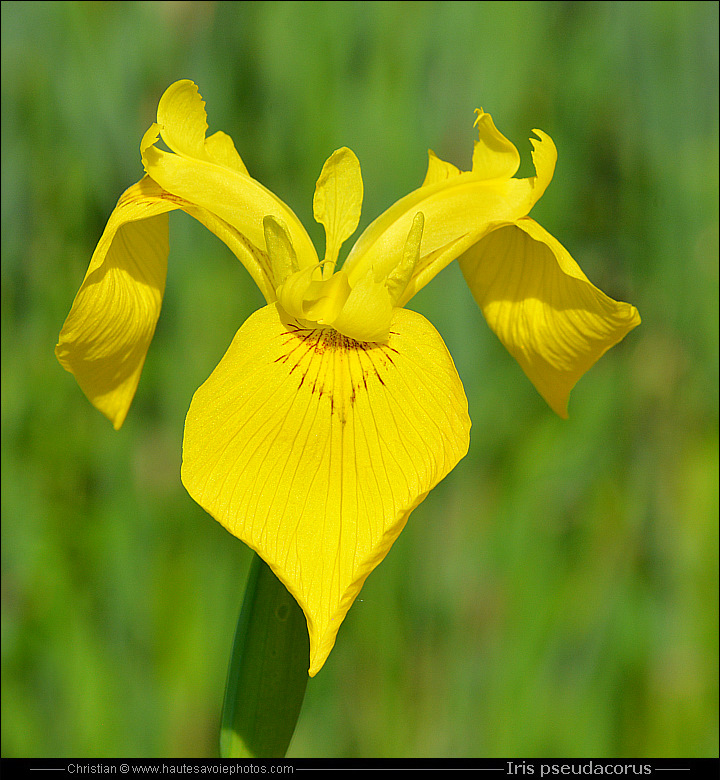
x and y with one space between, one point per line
221 150
338 200
439 170
182 122
209 176
105 338
494 157
459 208
182 119
313 449
542 307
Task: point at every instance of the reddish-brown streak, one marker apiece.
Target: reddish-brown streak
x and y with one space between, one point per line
172 198
302 339
319 342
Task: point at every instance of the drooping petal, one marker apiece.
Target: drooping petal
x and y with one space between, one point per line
459 208
210 177
338 200
314 449
542 307
105 338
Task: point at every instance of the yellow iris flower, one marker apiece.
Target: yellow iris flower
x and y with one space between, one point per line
335 410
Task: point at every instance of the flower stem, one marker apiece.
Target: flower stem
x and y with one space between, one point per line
268 670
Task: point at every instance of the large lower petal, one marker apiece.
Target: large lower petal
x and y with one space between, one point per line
543 308
105 338
313 449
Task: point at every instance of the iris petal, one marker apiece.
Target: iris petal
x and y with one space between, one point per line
338 200
542 307
182 122
106 336
182 119
459 208
494 157
439 170
208 175
313 449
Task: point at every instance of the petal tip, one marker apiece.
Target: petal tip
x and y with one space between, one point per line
479 115
150 138
562 412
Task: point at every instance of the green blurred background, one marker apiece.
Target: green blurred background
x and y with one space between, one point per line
556 595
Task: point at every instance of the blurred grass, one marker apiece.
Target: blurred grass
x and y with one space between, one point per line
557 593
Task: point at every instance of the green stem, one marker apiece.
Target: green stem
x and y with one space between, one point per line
268 670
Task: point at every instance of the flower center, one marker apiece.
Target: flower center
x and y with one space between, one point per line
360 311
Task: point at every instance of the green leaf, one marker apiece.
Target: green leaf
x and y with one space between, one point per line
268 675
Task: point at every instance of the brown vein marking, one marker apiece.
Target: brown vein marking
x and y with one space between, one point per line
302 347
164 195
303 336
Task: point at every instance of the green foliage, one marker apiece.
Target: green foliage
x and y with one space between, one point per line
557 593
267 675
